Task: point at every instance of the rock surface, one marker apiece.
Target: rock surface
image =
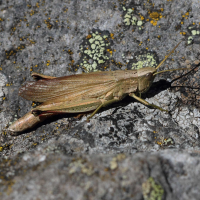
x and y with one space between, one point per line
126 151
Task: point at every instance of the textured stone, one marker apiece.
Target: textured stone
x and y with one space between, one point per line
126 151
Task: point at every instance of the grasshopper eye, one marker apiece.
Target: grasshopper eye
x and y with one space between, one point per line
148 74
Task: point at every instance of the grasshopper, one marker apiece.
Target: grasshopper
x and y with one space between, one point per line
84 92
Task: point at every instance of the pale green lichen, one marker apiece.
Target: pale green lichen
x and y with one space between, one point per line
146 60
134 20
93 46
95 51
194 32
131 18
127 21
139 23
130 10
91 40
101 61
127 16
151 190
94 65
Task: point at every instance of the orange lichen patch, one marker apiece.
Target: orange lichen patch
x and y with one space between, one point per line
10 53
14 29
183 33
154 23
159 143
141 17
49 25
88 36
21 47
182 22
140 43
110 51
155 16
37 5
0 68
32 42
70 52
185 15
112 35
32 12
48 62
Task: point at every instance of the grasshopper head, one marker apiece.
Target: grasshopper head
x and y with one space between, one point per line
145 78
146 75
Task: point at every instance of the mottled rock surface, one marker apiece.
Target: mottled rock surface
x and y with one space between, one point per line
126 151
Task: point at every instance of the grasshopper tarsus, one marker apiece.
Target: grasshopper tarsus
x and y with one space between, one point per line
159 108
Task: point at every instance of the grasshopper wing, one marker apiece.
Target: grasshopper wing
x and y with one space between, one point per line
69 87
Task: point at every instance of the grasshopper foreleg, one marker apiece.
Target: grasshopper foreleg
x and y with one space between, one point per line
145 102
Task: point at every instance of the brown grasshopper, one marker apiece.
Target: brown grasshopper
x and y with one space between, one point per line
84 92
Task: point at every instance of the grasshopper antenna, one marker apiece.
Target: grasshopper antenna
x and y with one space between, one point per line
169 70
168 55
166 59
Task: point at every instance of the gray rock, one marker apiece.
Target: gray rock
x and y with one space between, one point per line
126 151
